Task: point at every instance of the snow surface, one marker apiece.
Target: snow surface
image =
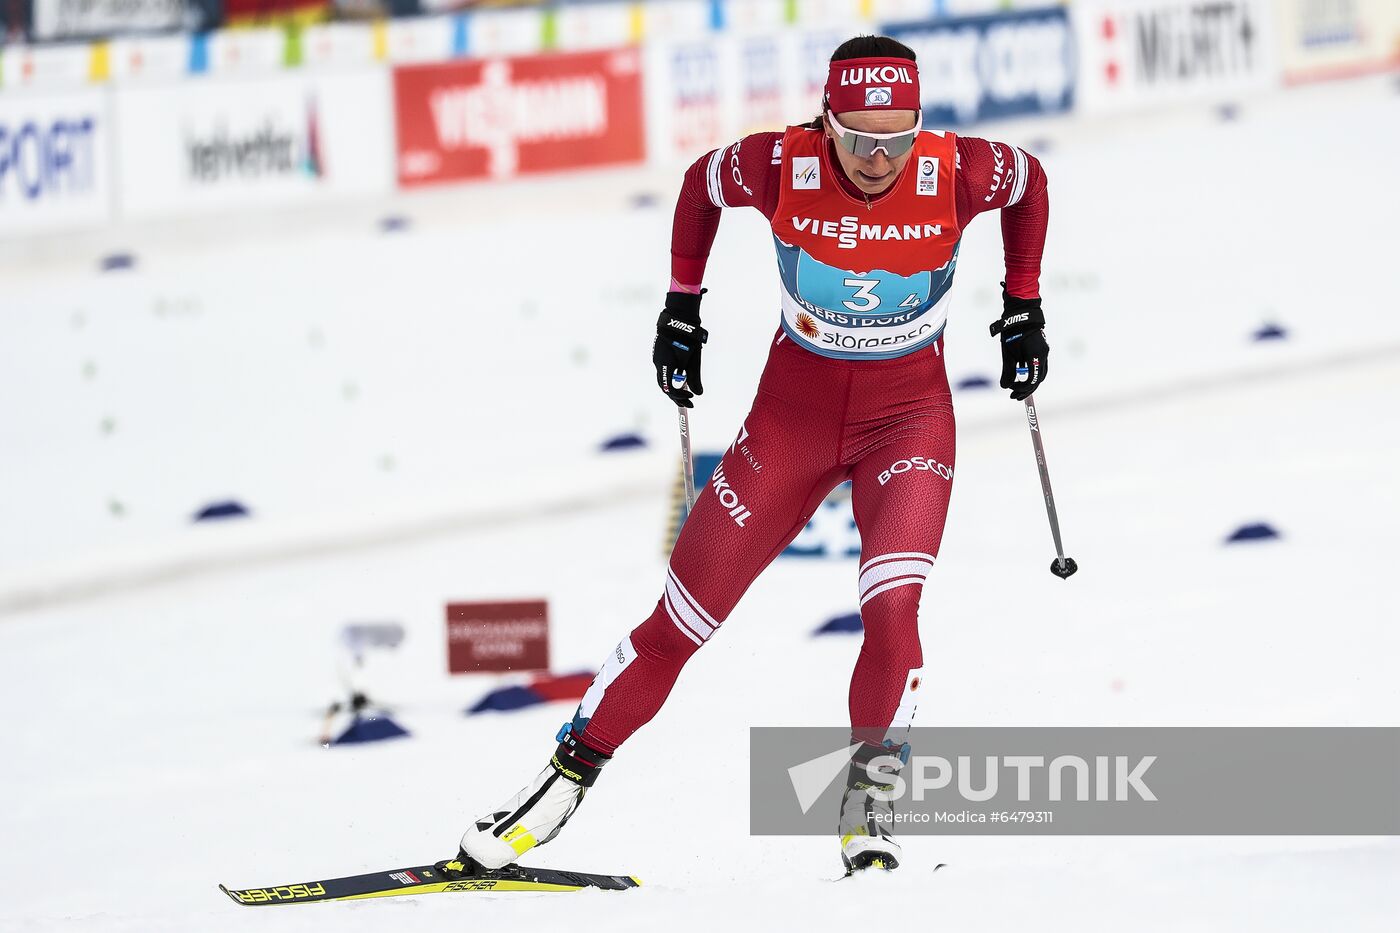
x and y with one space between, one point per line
160 738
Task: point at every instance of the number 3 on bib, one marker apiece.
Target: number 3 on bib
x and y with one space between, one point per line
864 288
865 298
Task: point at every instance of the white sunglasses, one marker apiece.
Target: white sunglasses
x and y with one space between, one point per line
865 145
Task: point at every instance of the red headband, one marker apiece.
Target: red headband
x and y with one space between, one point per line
872 84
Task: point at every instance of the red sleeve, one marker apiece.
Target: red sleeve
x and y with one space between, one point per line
995 176
742 175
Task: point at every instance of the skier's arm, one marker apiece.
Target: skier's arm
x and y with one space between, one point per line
744 174
995 176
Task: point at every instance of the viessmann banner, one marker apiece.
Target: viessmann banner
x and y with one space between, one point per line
502 117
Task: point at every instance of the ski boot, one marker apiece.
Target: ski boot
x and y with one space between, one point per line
866 820
536 814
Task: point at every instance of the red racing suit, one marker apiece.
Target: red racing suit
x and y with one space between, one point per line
854 389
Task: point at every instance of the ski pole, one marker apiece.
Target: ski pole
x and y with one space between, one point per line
1061 566
688 462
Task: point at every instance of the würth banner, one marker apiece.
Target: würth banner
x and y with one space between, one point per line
498 636
502 117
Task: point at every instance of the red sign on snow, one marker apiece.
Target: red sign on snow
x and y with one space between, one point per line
502 117
498 636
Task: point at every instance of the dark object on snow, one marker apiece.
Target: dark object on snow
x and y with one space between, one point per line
118 261
838 625
1270 332
547 688
624 442
1258 531
974 382
230 508
373 728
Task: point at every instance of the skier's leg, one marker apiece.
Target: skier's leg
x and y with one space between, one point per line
765 489
742 521
900 493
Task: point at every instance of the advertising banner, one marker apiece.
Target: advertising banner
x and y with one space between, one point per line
498 636
149 58
502 117
708 91
990 67
233 143
594 26
419 39
90 19
1143 53
1322 39
45 67
53 161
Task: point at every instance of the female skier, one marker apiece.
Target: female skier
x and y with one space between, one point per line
867 208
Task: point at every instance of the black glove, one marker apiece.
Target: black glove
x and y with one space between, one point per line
676 350
1025 356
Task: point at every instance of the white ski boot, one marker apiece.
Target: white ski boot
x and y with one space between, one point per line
536 814
866 821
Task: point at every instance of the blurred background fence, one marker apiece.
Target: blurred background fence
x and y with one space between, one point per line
115 110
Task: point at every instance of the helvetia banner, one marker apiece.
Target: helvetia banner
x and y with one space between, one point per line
990 67
238 142
503 117
1140 53
53 161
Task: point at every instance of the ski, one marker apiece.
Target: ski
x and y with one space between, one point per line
428 879
873 870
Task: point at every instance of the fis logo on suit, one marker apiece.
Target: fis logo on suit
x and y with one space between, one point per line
806 173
